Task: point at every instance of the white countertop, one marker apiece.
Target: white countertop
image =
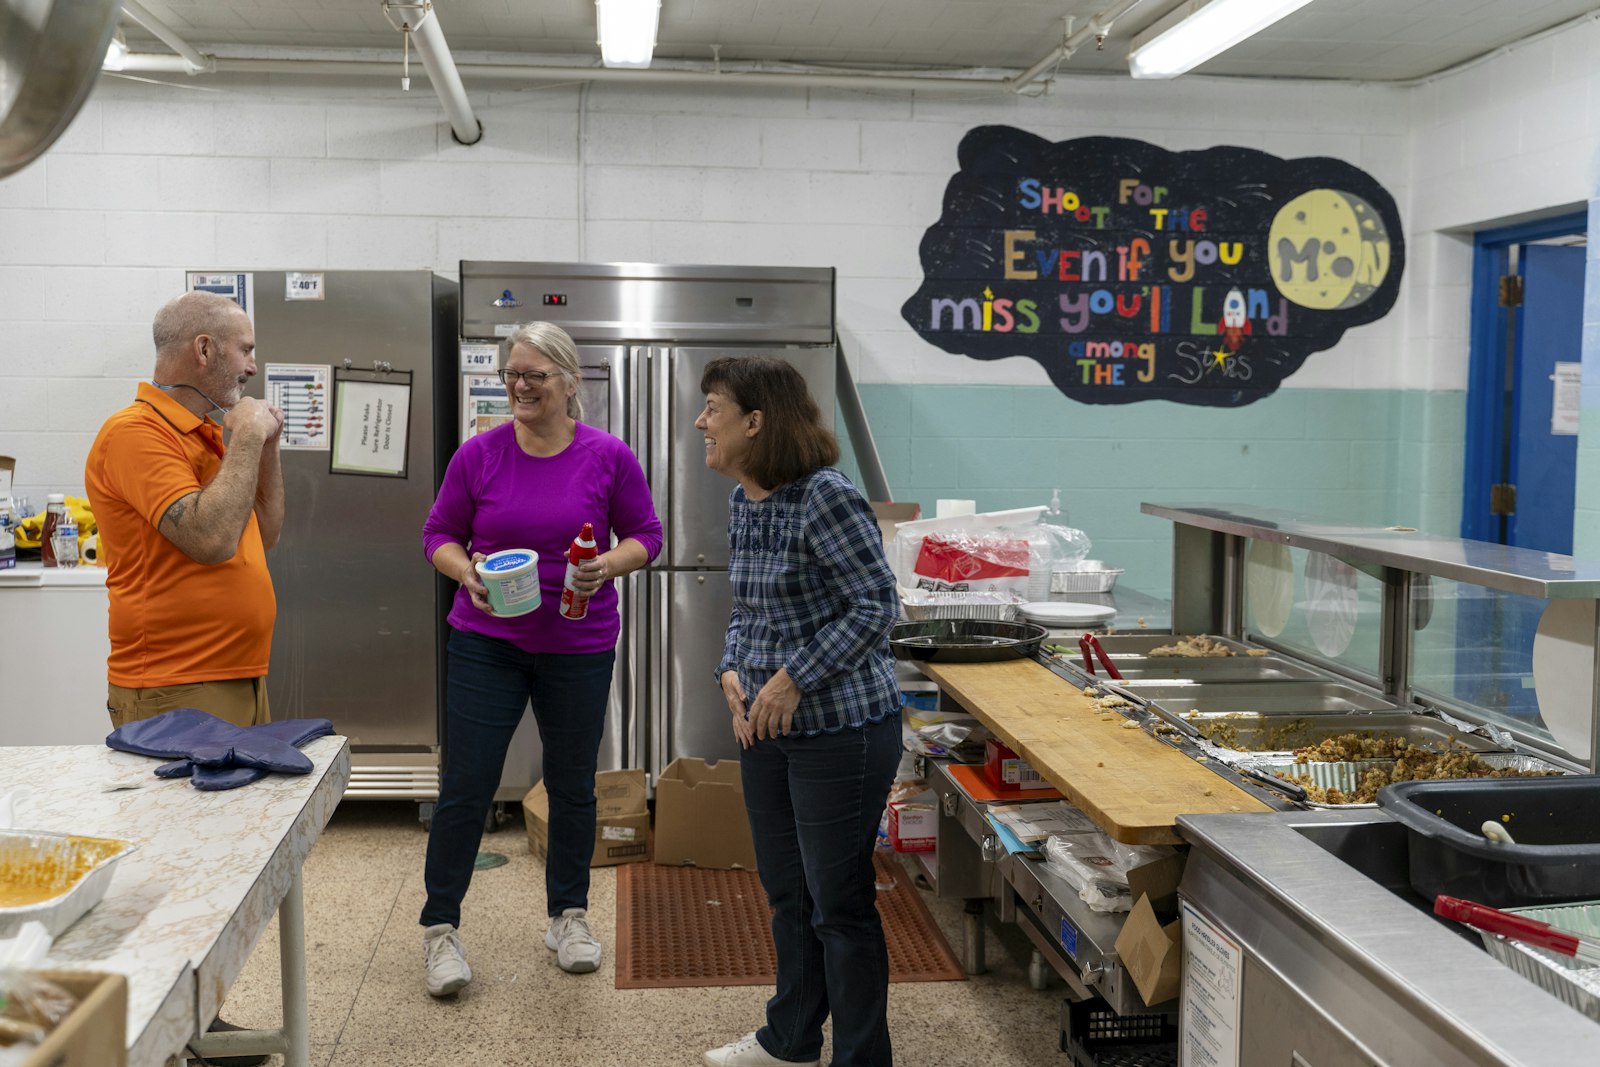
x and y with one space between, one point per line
33 574
183 912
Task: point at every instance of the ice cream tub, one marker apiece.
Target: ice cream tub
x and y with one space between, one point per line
512 577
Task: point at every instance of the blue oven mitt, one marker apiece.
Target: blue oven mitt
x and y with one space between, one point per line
214 751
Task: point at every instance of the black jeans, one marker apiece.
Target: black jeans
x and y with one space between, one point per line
490 684
814 805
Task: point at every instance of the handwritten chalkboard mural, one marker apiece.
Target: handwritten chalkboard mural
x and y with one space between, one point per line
1134 273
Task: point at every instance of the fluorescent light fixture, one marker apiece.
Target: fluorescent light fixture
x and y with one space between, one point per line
1200 29
627 31
116 53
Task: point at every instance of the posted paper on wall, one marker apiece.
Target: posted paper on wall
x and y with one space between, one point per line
300 390
370 427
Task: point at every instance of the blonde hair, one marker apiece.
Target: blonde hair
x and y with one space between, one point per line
557 346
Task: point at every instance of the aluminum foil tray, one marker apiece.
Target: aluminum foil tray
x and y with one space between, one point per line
53 878
1346 774
1561 976
921 605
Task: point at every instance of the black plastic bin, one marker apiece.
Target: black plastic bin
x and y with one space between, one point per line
1554 821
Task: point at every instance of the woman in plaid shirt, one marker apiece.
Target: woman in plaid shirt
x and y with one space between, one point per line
809 680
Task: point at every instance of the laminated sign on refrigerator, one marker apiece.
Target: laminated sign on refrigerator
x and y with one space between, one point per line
371 420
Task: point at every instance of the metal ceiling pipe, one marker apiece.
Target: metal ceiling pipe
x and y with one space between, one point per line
194 62
446 79
1096 27
148 63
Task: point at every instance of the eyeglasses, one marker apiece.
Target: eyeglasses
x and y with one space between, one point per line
532 377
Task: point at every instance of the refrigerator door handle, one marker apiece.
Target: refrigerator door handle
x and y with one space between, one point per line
661 712
661 438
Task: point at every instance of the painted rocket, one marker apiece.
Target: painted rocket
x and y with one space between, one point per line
1235 324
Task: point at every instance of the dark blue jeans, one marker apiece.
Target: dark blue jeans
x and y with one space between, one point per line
490 684
814 806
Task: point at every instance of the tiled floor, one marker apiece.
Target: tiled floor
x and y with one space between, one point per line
363 891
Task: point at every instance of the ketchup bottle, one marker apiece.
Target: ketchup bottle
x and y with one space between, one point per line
575 605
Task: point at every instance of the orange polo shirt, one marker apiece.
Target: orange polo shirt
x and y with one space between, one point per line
173 621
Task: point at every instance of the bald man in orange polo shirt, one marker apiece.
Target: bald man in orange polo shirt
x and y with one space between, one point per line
185 522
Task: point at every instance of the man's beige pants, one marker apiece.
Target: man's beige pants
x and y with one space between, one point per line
241 701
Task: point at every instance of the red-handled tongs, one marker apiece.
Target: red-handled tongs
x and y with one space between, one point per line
1518 928
1090 643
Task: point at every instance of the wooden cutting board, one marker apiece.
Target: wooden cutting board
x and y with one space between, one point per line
1132 785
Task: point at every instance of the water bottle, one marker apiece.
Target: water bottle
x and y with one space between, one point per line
66 541
575 605
55 507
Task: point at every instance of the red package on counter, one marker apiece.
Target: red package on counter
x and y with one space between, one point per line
967 561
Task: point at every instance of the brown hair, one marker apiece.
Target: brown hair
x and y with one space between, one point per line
793 442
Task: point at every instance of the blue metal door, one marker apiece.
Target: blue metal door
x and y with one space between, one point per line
1544 458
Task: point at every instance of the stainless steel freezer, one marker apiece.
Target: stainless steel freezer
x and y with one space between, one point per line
359 609
653 328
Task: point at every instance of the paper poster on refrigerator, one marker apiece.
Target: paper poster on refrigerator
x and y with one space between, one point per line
238 286
300 391
484 404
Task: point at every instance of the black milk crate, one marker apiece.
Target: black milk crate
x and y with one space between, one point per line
1096 1036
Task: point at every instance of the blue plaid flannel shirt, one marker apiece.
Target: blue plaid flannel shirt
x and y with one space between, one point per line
812 593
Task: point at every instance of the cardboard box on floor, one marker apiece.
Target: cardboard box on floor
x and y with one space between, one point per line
622 819
95 1033
1152 953
700 816
891 513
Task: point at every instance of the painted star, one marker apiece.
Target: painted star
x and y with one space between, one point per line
1220 356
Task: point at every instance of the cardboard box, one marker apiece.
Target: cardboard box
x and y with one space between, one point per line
890 513
96 1033
1152 953
700 816
913 826
622 819
1007 771
1159 880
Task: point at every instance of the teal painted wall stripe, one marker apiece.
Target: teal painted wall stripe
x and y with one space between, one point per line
1374 456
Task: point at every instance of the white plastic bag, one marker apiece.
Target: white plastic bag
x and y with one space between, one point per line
1097 867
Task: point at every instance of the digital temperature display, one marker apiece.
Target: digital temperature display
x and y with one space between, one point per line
558 300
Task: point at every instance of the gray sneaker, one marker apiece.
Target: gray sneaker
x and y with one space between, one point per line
445 960
575 946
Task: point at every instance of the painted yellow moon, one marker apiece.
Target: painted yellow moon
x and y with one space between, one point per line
1328 250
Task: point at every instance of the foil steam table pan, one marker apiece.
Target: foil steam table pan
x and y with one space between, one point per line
921 605
53 878
1575 983
1346 775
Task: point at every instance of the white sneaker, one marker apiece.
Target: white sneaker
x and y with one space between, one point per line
747 1052
445 959
575 946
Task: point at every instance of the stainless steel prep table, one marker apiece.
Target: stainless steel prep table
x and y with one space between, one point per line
184 911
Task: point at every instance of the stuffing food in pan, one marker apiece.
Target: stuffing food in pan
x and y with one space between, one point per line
1201 647
1401 762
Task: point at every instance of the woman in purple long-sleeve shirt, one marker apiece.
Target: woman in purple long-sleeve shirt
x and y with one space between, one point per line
530 484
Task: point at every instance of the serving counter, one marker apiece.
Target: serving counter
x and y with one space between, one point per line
1305 942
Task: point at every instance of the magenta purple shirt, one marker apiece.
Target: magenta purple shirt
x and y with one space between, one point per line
495 496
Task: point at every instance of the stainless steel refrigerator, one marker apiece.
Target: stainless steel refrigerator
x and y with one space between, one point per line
645 332
358 634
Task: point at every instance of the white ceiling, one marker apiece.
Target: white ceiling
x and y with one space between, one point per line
1377 40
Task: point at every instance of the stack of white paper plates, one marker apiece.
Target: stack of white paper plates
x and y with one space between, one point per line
1061 614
